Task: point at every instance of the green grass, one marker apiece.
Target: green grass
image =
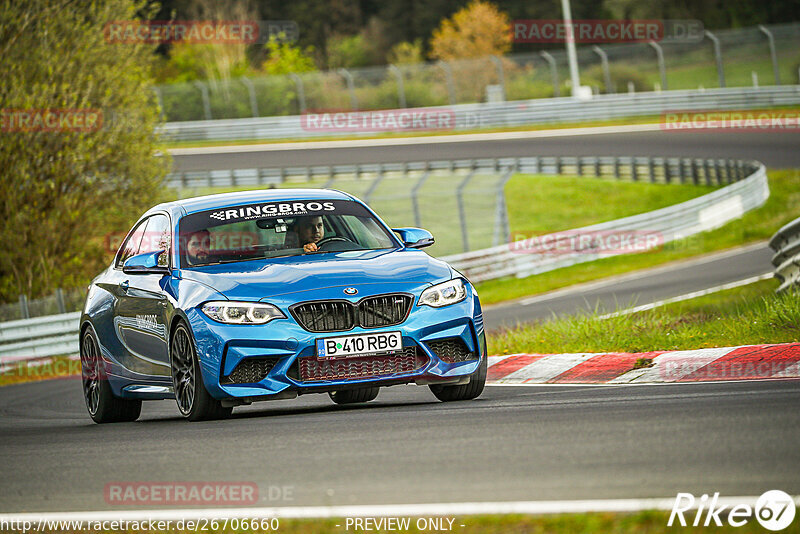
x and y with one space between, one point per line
782 206
746 315
543 204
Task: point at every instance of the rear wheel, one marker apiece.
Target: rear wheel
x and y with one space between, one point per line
467 391
103 405
353 396
194 401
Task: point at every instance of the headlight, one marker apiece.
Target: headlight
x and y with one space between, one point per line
444 294
230 312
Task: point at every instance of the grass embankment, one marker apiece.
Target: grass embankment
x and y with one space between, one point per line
782 206
56 367
746 315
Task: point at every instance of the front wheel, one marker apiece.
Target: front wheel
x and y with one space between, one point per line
467 391
103 405
353 396
194 401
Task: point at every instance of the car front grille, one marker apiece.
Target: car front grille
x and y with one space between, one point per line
341 315
251 370
408 360
452 350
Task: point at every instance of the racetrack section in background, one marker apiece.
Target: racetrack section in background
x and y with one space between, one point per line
754 362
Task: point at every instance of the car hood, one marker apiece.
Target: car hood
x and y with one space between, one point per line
278 276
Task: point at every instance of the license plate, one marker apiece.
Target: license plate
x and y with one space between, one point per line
359 344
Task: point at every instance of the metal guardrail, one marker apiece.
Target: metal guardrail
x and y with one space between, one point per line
748 190
507 114
786 244
31 339
744 188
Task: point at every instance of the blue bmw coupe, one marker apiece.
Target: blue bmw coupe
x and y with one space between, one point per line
225 300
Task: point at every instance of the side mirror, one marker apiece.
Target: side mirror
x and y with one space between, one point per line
414 237
146 263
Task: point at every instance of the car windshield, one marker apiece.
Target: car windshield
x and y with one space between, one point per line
277 229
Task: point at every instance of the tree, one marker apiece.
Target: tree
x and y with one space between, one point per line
62 191
479 29
285 58
406 53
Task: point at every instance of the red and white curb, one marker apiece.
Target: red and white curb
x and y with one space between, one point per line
752 362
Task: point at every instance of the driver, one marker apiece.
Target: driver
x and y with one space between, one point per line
310 231
198 247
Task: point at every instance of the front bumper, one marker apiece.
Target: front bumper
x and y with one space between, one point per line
284 343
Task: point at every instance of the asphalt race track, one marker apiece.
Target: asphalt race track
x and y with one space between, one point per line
776 150
512 443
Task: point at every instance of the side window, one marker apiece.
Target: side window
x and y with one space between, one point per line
157 237
131 245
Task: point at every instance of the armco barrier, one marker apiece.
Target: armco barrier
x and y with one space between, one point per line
786 244
674 222
30 339
509 114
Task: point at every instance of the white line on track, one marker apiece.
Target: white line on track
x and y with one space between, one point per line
423 140
636 275
688 296
380 510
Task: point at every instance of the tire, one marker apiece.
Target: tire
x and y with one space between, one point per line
353 396
466 391
102 404
193 399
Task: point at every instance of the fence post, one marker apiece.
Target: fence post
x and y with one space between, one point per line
651 168
661 66
401 91
415 192
501 79
606 73
351 87
160 101
23 307
252 91
448 74
501 215
772 54
462 212
553 71
374 184
62 307
301 93
717 56
206 101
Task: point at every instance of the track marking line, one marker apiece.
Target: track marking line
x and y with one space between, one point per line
688 296
390 510
636 275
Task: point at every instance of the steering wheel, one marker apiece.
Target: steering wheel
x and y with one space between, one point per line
322 242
